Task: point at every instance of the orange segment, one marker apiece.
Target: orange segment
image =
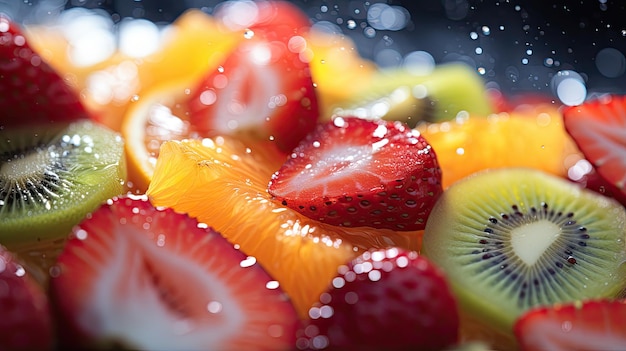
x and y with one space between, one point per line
193 44
530 137
222 182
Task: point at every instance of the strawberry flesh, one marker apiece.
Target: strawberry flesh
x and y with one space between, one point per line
264 88
588 325
353 172
599 129
384 300
148 278
25 320
31 92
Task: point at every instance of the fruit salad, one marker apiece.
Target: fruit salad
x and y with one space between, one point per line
254 182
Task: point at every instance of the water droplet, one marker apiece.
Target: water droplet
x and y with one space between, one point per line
351 24
214 307
481 70
134 98
486 30
529 52
478 50
610 62
524 61
248 34
474 35
566 326
569 87
248 262
272 285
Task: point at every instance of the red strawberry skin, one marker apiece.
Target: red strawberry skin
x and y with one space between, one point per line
25 318
588 325
384 300
31 92
264 88
136 276
353 172
599 129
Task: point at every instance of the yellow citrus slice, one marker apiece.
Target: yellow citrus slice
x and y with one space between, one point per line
530 137
222 182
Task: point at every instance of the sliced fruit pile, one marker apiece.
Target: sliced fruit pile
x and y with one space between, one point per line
282 193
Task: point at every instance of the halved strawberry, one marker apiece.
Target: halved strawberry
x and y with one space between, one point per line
30 90
148 278
599 129
264 87
353 172
25 320
588 325
384 300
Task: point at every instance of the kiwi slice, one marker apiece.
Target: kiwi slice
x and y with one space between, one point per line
396 94
51 176
511 239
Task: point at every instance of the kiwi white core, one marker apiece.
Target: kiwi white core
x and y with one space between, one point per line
25 167
531 240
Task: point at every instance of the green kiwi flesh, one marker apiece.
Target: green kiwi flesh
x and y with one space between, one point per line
439 95
512 239
51 177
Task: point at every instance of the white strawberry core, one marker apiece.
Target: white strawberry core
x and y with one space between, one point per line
236 109
125 297
531 240
343 167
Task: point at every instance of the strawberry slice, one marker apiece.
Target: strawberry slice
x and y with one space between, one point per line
147 278
589 325
264 87
384 300
599 129
353 172
25 310
31 91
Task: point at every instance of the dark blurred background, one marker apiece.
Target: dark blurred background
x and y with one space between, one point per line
517 45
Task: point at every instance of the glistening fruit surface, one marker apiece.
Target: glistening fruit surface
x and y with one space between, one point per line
222 182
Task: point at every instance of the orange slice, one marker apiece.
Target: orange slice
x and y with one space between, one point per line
151 120
530 137
222 182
